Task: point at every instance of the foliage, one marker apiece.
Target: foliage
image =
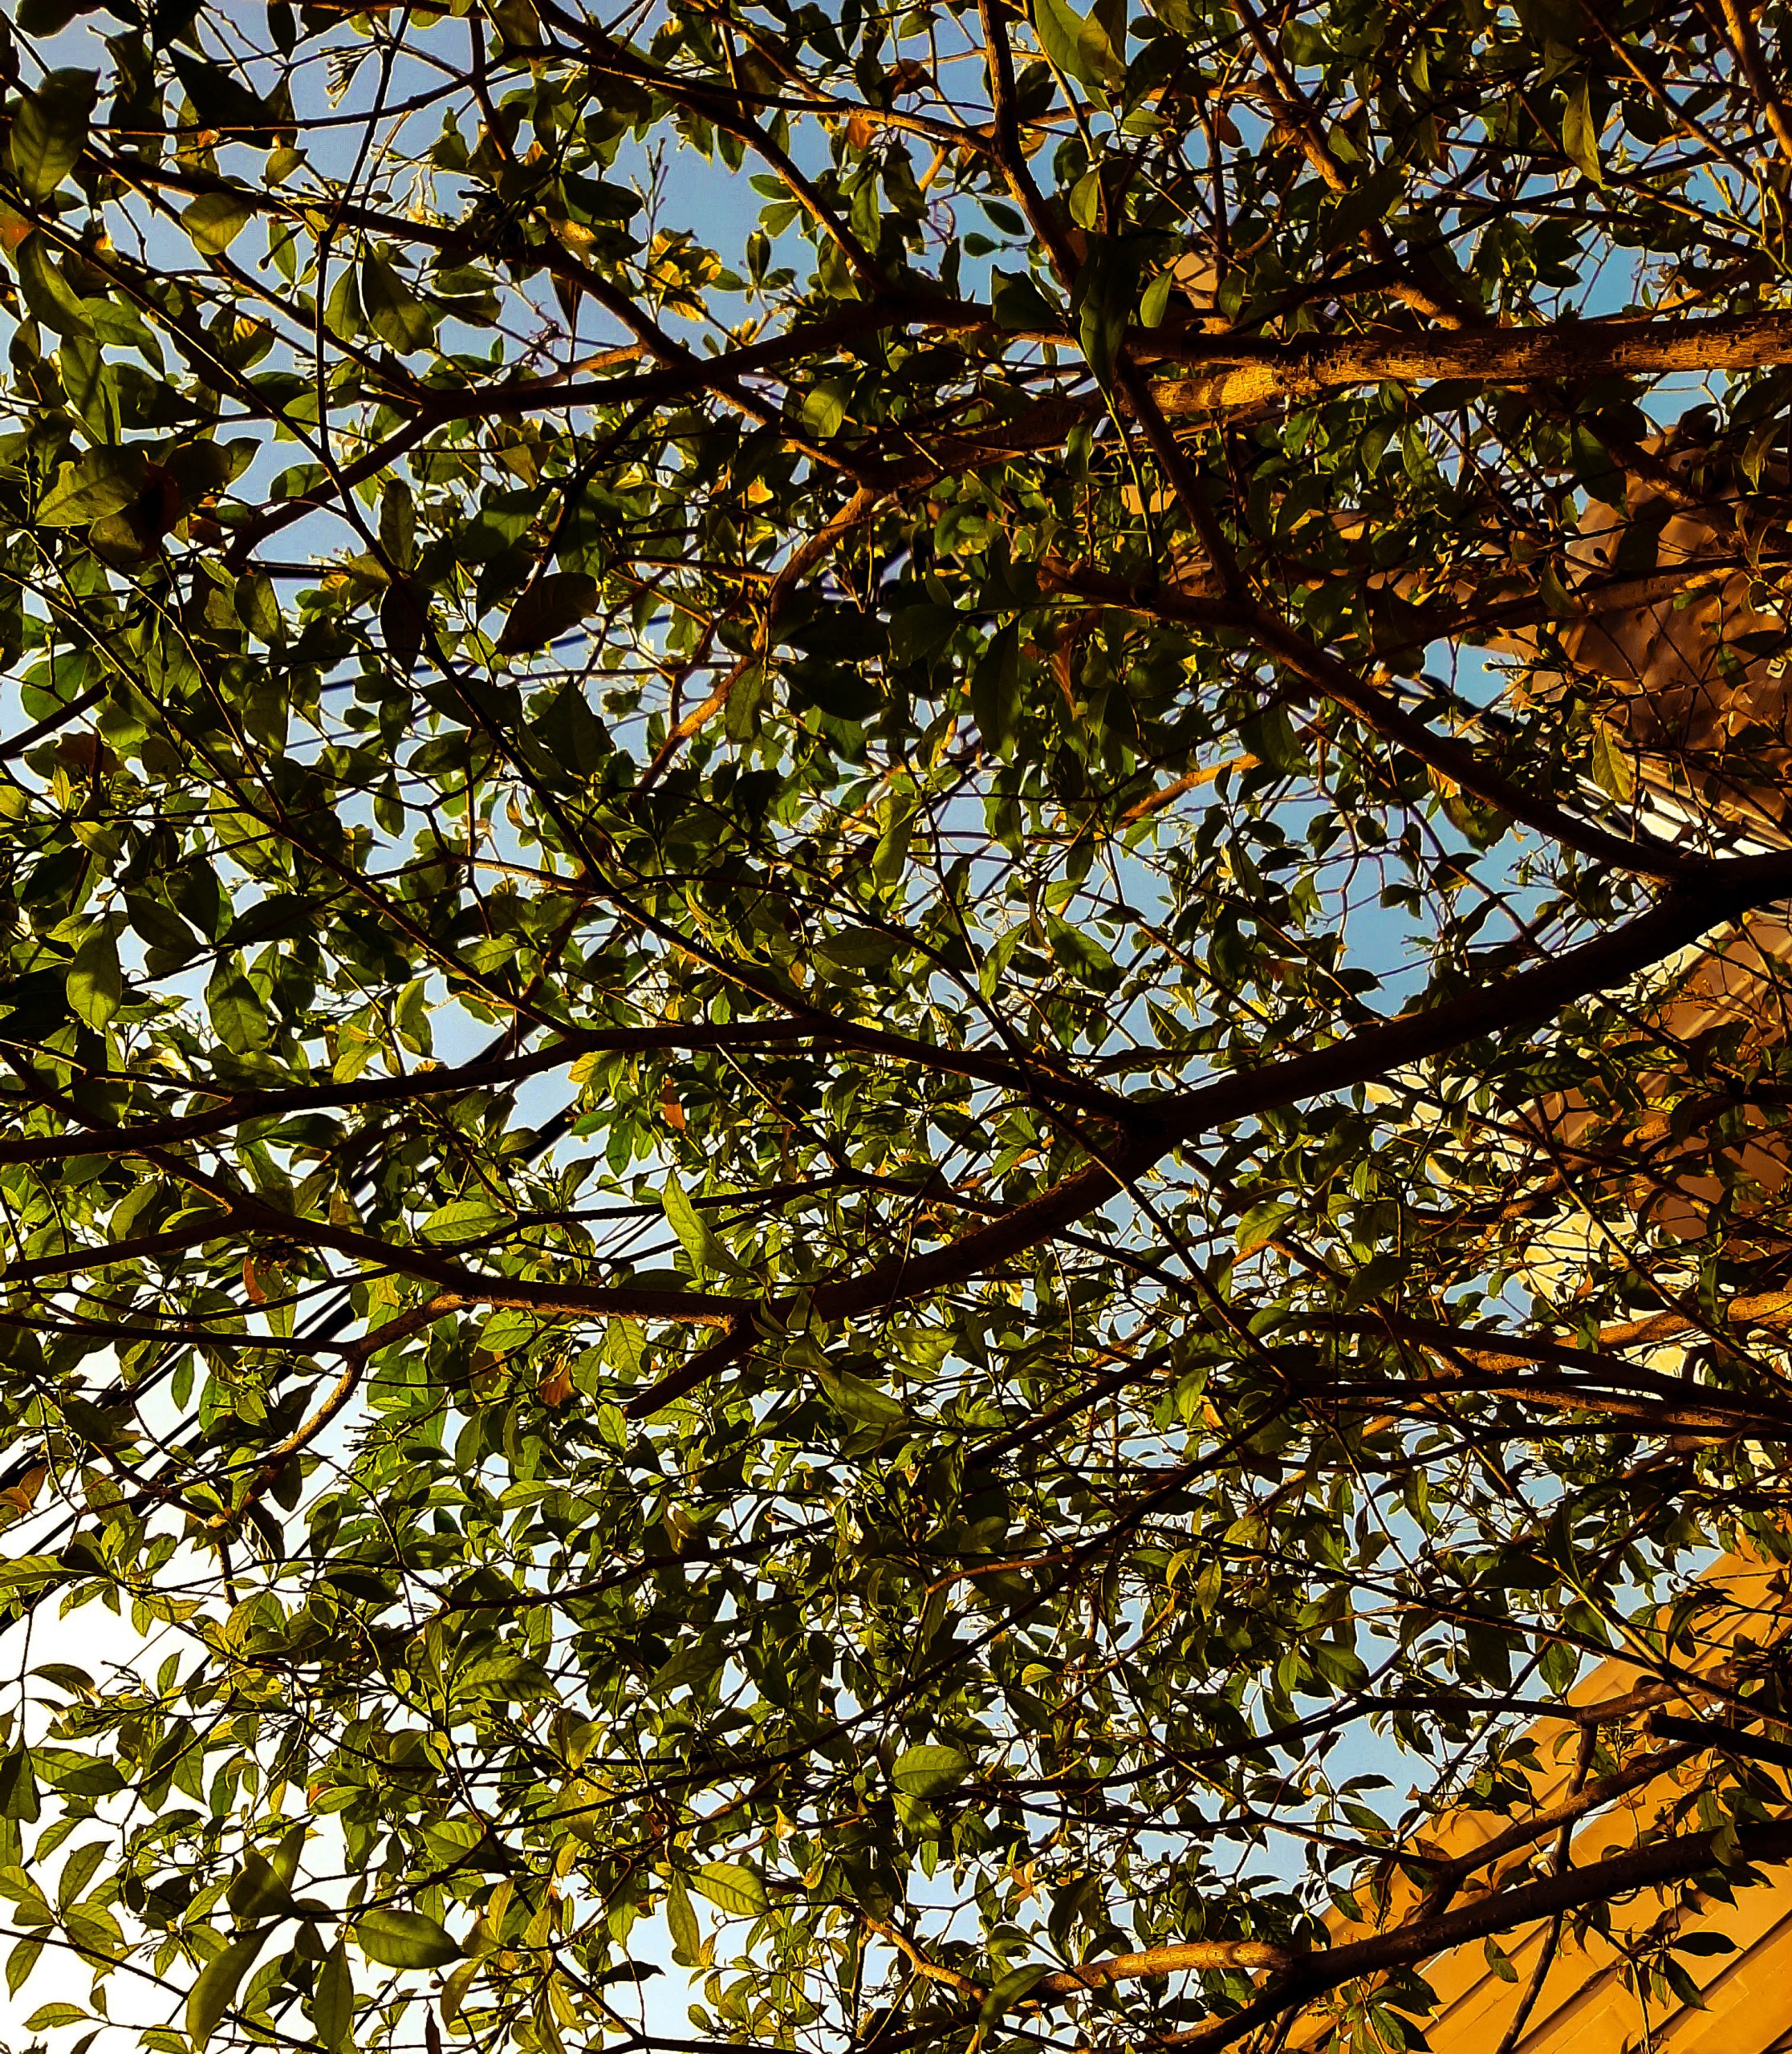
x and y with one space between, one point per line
856 1094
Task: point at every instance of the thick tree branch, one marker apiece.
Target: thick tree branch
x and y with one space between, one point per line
1518 1001
1327 675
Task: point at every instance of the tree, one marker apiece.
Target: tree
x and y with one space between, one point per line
865 1083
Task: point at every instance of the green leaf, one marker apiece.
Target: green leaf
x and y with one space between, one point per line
857 1400
398 523
77 1872
1263 1223
291 1846
707 1254
464 1220
1007 1990
1080 952
215 1991
105 481
1018 303
931 1770
891 857
1613 770
995 690
404 619
258 607
1106 287
49 17
91 384
393 311
1704 1944
332 2002
823 410
681 1922
95 981
404 1939
629 1971
19 1786
50 131
1085 200
46 293
25 1572
858 948
733 1888
1580 133
1079 47
236 1012
215 220
547 611
919 632
1060 28
453 1991
48 2015
258 1892
221 100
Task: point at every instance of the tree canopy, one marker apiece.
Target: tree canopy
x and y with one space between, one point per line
892 1068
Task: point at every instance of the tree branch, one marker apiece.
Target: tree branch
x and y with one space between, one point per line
1328 675
1520 1000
